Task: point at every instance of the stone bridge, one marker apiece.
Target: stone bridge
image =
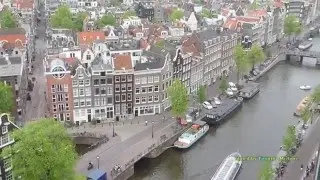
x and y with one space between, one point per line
302 54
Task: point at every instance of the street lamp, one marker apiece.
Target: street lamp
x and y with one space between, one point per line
113 129
98 157
152 129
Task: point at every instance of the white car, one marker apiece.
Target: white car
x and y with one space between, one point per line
217 101
233 87
229 92
207 105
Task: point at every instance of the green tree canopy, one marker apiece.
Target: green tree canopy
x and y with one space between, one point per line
292 25
241 61
127 14
160 44
202 94
78 21
7 19
256 55
290 139
254 5
62 18
107 19
7 98
208 14
266 171
178 95
43 150
305 114
316 94
176 14
114 3
223 85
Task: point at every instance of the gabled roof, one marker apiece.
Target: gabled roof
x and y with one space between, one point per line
89 37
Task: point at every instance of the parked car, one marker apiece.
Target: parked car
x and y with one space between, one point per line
229 92
217 101
233 87
207 105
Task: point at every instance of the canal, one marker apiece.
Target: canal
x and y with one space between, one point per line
256 130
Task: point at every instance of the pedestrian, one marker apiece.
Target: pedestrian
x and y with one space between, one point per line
281 147
301 167
146 122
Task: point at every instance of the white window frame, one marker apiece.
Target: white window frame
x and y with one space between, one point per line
4 129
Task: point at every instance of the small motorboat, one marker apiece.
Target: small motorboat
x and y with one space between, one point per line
310 39
305 87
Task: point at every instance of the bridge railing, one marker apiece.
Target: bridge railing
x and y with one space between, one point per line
117 170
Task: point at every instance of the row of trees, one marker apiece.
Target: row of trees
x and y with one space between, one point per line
7 19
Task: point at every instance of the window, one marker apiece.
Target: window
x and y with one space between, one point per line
74 82
88 57
117 79
137 80
4 129
103 102
117 89
143 99
7 164
5 139
150 89
137 90
97 91
129 78
156 88
109 112
150 99
103 91
156 98
109 90
103 74
150 79
53 98
123 87
143 90
80 75
88 102
109 80
81 92
137 100
144 80
109 100
9 175
54 108
129 87
81 83
82 103
129 97
123 98
156 79
87 82
123 78
66 96
117 97
76 104
96 82
60 97
88 91
102 81
68 116
75 92
97 102
67 106
53 88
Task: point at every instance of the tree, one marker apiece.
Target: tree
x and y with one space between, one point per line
175 15
127 14
290 139
78 22
62 18
255 55
178 96
292 25
266 171
305 114
7 99
43 150
241 61
115 3
202 94
315 96
254 5
7 19
107 19
208 14
160 44
223 85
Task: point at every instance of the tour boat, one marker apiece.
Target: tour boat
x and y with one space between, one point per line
229 168
302 105
250 91
305 87
305 45
194 133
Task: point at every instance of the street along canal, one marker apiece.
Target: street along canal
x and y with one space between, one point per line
256 130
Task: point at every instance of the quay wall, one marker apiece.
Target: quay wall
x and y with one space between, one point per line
86 140
278 58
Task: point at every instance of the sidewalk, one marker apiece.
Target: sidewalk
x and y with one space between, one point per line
304 154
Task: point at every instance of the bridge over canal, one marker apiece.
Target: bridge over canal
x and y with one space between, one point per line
301 54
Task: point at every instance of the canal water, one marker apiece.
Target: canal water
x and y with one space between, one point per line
256 130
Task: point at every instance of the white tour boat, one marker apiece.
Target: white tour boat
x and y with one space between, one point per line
195 132
305 45
229 168
305 87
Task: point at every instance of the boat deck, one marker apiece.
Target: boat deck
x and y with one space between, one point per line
228 169
224 107
250 87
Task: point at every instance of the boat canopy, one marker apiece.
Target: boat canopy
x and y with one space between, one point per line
200 123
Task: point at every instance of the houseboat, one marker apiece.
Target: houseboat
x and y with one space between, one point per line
195 132
305 45
303 103
250 90
229 168
223 111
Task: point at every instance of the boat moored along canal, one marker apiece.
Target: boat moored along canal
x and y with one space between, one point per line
195 132
229 168
249 90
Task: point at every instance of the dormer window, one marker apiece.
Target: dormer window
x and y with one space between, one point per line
84 38
17 52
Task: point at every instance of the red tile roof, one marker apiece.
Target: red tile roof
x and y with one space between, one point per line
122 62
234 23
87 38
15 40
24 4
257 13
